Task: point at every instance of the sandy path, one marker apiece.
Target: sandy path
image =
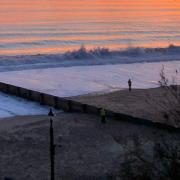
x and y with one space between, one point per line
152 104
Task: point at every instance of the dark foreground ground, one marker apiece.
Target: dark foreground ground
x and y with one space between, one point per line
89 149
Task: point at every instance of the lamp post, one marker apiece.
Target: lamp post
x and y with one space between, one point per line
52 145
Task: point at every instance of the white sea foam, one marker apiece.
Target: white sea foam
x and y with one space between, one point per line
72 81
14 106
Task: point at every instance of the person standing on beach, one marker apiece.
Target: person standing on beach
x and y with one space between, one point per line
103 115
129 84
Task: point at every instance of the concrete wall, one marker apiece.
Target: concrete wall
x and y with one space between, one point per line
73 106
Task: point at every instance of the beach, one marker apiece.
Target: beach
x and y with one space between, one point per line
153 104
88 51
89 149
86 148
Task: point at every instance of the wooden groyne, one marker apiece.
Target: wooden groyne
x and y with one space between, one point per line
69 105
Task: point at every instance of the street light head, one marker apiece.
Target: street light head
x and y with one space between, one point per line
51 114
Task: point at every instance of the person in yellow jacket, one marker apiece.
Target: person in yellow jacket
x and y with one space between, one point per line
103 115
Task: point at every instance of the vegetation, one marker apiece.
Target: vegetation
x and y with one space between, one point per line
163 163
162 160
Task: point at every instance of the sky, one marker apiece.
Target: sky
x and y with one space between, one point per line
39 11
40 26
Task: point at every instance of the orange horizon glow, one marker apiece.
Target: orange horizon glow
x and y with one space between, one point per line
21 14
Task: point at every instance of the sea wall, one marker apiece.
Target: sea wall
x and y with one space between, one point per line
69 105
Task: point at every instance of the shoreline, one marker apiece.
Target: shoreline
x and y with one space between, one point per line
79 80
153 104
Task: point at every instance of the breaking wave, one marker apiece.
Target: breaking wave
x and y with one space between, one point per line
129 52
94 56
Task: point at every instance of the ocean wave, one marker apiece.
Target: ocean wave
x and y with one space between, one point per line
96 56
129 52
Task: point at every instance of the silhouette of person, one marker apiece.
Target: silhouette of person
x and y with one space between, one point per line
50 112
129 84
103 115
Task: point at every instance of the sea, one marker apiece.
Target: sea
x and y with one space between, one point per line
98 27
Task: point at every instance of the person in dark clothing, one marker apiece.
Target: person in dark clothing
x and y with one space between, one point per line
129 84
103 115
